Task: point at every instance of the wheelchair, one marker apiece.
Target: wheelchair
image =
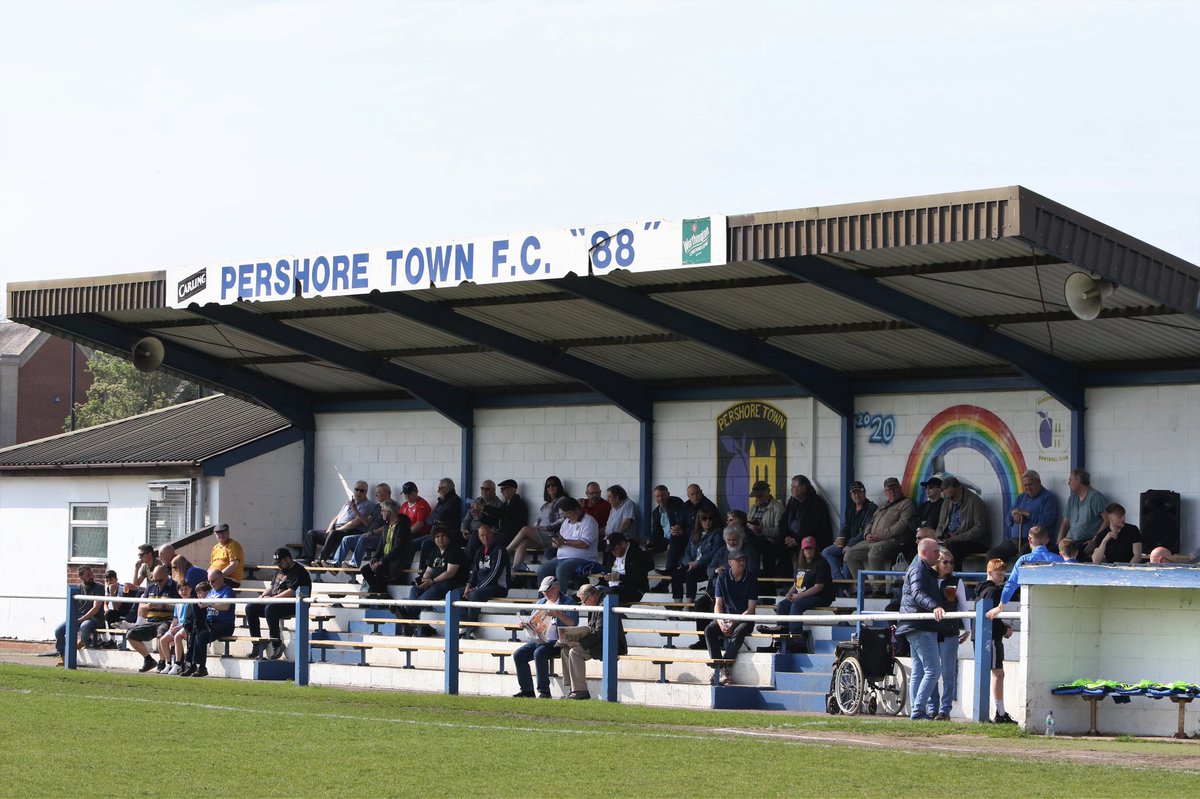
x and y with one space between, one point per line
867 676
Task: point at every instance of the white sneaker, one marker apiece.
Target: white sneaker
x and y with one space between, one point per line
174 669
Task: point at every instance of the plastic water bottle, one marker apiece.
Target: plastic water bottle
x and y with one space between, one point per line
1050 724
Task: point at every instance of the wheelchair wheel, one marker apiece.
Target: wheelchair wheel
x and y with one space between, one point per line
849 685
892 691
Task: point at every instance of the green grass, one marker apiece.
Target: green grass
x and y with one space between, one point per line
162 736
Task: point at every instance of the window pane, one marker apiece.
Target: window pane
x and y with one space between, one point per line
89 542
89 513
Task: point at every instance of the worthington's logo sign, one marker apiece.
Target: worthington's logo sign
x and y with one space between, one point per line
697 241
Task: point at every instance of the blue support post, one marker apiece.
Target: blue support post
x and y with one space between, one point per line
72 632
466 488
646 473
847 434
983 661
308 479
1078 439
300 648
452 618
608 682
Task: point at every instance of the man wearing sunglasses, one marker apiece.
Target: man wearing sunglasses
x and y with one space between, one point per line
354 516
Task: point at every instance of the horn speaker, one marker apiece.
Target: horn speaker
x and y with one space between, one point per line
148 354
1085 294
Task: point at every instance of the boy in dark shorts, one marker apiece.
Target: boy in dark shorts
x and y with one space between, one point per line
1000 630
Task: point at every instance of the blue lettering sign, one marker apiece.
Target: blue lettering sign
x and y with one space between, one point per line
530 267
228 278
394 257
320 273
411 273
341 273
358 271
302 274
499 256
439 262
245 275
281 278
262 280
464 262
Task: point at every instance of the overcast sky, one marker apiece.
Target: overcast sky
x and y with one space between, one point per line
145 135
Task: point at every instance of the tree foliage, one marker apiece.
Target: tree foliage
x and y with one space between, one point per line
119 391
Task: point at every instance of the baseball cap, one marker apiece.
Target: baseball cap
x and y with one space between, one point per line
760 486
547 581
282 552
891 482
736 554
408 488
858 486
221 528
932 482
808 541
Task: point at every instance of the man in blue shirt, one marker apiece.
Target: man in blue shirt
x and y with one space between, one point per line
1038 538
1035 507
1085 510
218 610
736 592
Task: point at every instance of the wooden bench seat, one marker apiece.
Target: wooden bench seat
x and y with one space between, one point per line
407 648
662 661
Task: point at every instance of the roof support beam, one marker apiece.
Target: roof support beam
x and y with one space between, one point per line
627 394
828 385
286 400
1058 377
450 401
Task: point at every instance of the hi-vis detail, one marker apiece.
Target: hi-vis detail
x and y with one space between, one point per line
643 246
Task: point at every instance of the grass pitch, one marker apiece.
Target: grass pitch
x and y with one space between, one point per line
138 735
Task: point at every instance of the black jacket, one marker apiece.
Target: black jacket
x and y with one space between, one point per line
814 520
508 519
675 515
920 595
397 555
637 568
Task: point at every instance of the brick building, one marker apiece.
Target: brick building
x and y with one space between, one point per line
35 382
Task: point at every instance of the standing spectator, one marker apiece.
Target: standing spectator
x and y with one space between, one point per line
511 517
227 556
920 595
854 529
1117 542
89 615
703 544
962 527
576 655
577 544
172 643
666 526
1039 553
1000 629
1034 507
550 518
154 618
353 517
542 650
736 593
626 569
489 574
813 589
1085 510
763 521
805 516
950 635
596 506
388 564
885 533
696 502
289 577
442 571
623 518
219 619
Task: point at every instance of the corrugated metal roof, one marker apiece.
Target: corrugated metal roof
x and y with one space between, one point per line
1110 340
884 350
547 321
671 360
186 435
482 369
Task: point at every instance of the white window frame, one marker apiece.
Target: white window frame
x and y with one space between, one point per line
72 523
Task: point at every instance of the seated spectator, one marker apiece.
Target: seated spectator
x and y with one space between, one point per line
182 571
813 589
141 578
511 516
289 577
696 502
89 615
885 533
929 512
1034 506
962 527
550 519
575 655
441 572
154 618
418 512
172 643
227 556
736 593
703 544
1116 542
489 575
735 539
595 505
388 565
950 635
1085 511
487 501
854 529
623 518
352 517
1068 550
667 532
576 543
114 612
219 620
626 570
1001 629
356 547
763 521
543 625
806 515
1039 553
448 502
1160 555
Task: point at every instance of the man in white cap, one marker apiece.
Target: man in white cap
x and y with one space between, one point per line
542 629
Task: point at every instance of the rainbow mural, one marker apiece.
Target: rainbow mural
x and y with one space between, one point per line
967 427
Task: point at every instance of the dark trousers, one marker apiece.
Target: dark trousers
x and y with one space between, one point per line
485 594
776 558
725 646
685 579
676 546
795 608
542 656
205 637
435 591
627 594
376 579
274 614
960 549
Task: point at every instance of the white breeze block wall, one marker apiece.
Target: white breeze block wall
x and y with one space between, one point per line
382 447
35 537
578 443
1147 437
1104 632
1018 411
261 500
